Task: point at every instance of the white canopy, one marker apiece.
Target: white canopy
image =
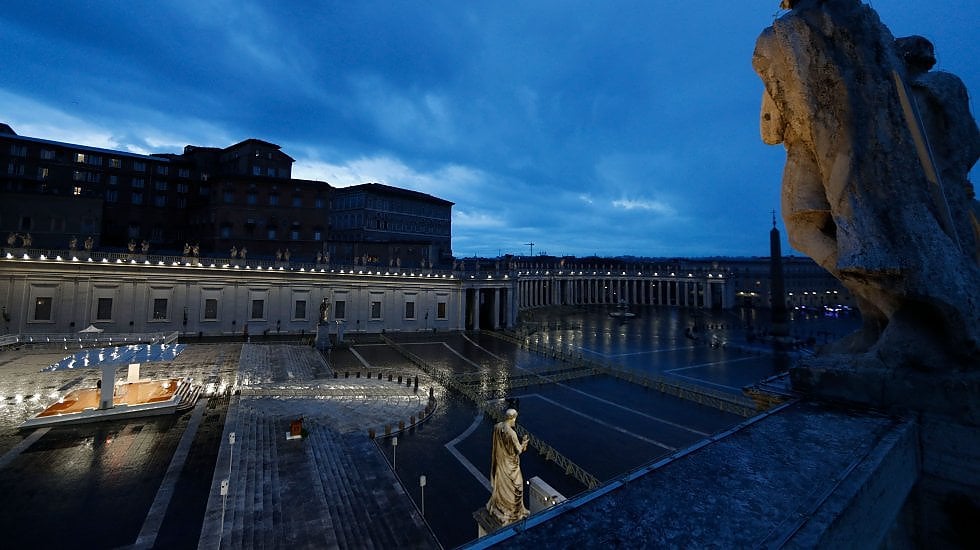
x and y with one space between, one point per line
90 328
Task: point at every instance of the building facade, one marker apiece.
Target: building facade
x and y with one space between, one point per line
241 196
379 225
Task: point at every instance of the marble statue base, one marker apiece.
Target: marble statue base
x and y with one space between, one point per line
486 523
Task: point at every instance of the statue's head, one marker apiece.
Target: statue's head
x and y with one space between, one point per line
511 415
917 52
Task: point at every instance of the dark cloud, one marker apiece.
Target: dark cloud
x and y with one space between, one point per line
610 128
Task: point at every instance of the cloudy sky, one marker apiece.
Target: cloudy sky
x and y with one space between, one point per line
608 127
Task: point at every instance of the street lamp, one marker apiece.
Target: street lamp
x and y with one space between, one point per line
422 485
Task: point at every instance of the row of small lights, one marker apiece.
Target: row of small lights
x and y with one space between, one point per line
609 274
227 266
351 271
815 293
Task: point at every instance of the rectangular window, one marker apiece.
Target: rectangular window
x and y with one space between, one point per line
251 198
256 170
271 172
409 310
139 166
271 233
42 309
294 235
258 309
441 310
80 157
319 202
160 185
42 173
184 172
159 309
115 163
297 202
181 202
137 183
160 200
204 190
211 308
162 170
340 309
273 200
229 197
317 235
299 310
94 160
225 231
103 311
76 191
113 179
18 150
137 198
375 310
182 187
111 195
47 154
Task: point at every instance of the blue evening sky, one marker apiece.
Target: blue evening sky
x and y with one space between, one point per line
609 127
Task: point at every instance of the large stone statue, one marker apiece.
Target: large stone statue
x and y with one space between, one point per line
944 106
856 196
507 499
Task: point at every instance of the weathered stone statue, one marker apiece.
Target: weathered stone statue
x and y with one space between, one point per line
325 310
507 499
855 195
944 106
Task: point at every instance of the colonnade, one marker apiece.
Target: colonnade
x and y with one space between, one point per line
699 292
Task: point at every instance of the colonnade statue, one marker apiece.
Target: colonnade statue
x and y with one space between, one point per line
506 502
863 195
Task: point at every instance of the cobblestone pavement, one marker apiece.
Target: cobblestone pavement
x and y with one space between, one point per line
110 484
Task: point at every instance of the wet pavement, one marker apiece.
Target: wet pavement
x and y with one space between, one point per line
103 482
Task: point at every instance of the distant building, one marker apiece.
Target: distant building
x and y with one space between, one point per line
378 225
241 196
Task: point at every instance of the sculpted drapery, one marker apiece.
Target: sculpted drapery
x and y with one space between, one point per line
507 499
855 195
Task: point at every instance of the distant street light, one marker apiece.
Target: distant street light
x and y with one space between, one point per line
422 485
394 453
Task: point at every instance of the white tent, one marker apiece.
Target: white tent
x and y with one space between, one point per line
90 329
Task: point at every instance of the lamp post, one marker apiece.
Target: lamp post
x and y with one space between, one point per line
394 453
422 486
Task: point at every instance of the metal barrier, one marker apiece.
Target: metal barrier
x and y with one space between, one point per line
741 406
88 340
545 450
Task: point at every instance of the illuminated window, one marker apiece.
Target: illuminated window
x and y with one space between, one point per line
115 163
42 173
42 308
79 157
76 191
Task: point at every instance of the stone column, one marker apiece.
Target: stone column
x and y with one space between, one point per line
496 309
475 305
